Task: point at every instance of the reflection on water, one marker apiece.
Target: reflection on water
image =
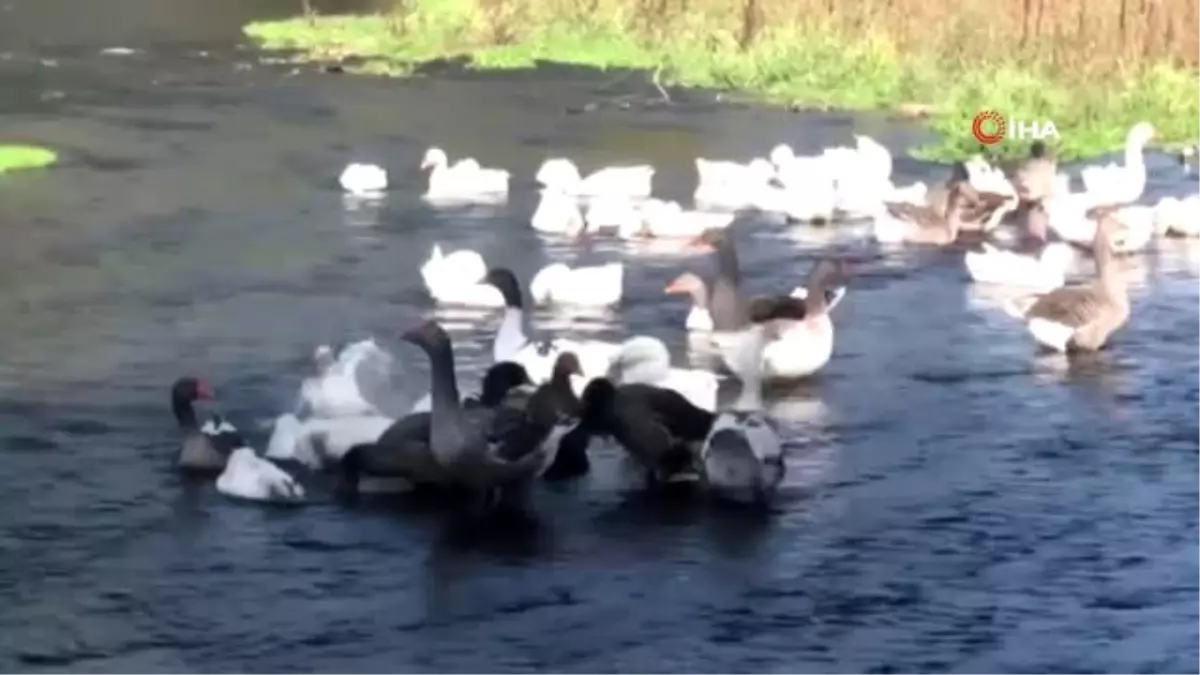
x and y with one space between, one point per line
951 493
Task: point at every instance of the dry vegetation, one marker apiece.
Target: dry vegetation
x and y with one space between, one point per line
1070 34
1092 66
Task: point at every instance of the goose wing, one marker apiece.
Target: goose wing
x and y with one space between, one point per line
1071 306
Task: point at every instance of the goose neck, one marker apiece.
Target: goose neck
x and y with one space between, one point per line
445 438
511 334
725 302
1109 276
185 413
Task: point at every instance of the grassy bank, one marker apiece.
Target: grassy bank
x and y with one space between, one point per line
16 157
1093 67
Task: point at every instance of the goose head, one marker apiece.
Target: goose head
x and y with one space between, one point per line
429 336
781 155
1039 150
566 366
184 392
709 240
688 284
506 282
434 158
596 404
323 358
558 172
501 379
190 389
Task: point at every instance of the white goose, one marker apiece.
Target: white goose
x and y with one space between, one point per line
457 279
248 476
1042 270
245 475
593 286
558 213
646 360
1122 184
614 212
363 179
320 442
743 454
808 191
464 181
723 184
334 390
628 181
863 177
667 219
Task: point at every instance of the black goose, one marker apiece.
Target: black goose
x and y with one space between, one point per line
401 457
658 427
205 448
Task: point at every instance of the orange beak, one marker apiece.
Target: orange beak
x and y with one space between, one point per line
698 245
675 287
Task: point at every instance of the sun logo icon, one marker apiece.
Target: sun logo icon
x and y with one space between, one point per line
989 127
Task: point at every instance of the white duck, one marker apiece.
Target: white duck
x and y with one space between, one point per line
1134 228
608 212
628 181
558 213
1043 270
667 219
334 391
320 442
1120 184
363 179
808 191
592 286
730 185
248 476
863 178
538 356
1180 217
465 180
457 279
646 360
743 454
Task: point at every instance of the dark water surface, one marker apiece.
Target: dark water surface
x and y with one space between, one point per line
954 502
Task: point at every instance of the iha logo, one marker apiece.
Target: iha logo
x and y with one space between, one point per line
990 127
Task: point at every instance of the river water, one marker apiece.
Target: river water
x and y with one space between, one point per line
955 503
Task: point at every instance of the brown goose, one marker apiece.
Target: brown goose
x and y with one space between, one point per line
967 209
762 308
1081 317
1033 177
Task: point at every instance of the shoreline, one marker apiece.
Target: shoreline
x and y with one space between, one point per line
802 68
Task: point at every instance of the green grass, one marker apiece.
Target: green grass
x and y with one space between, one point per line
17 157
805 64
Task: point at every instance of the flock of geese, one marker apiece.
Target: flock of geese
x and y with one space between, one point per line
544 401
